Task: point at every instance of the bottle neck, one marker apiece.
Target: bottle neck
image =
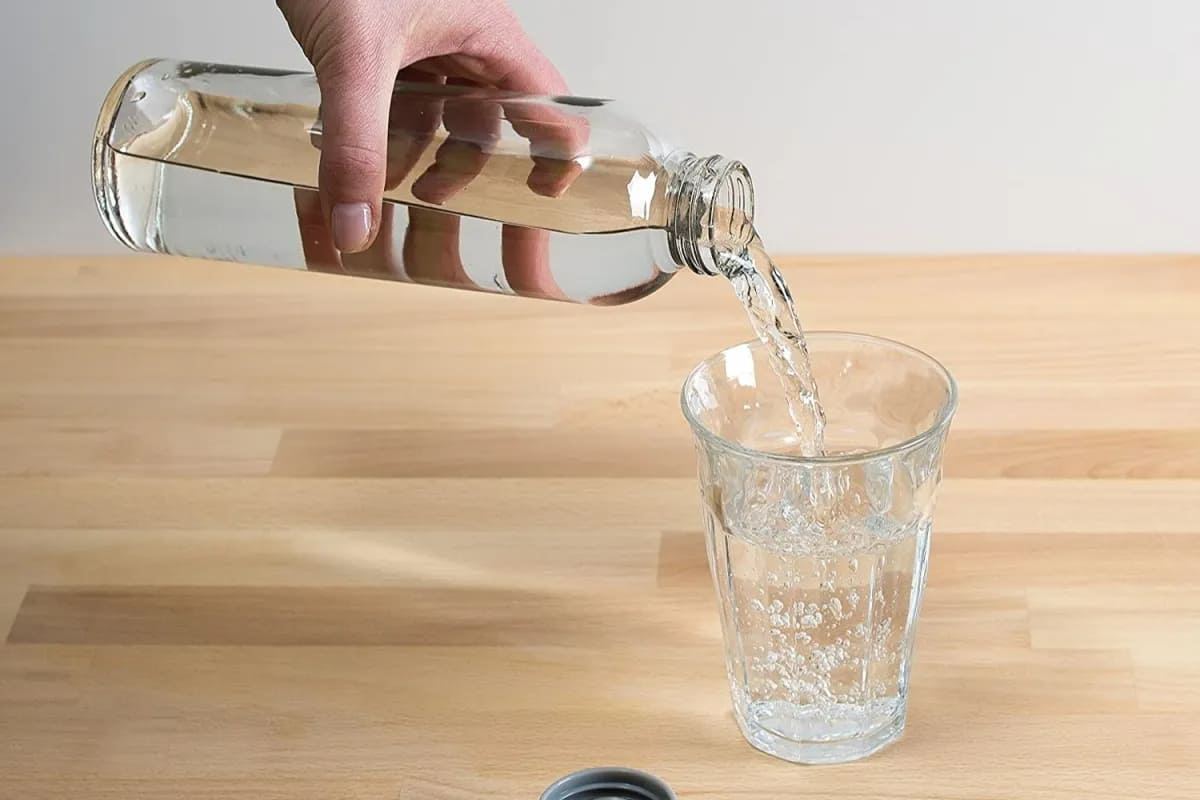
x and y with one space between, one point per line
710 203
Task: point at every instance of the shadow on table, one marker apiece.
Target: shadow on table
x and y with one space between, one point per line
359 616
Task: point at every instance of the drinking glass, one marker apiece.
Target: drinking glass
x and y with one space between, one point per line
819 563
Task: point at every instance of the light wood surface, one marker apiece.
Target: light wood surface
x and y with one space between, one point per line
275 535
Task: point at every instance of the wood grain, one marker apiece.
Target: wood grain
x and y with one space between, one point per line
277 535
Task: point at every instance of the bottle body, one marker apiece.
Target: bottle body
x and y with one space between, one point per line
557 198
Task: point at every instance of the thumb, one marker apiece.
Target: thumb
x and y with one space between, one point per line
356 93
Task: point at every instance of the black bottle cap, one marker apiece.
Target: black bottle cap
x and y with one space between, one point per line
609 783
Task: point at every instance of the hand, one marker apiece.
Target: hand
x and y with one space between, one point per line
359 47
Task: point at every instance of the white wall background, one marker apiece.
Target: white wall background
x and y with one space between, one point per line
869 125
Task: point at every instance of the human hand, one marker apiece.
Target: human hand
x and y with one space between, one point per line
368 143
359 47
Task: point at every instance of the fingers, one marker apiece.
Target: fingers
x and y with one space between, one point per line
319 253
473 128
380 260
413 121
526 256
558 141
558 138
432 255
431 249
507 59
377 261
502 55
356 92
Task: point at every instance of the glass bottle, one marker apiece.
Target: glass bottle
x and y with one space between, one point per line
562 198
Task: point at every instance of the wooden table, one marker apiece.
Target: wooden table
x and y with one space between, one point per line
273 535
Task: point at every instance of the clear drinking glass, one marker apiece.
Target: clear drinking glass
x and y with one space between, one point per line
819 563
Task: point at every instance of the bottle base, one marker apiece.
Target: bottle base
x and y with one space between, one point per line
808 735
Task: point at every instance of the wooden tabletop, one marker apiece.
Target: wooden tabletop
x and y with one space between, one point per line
267 534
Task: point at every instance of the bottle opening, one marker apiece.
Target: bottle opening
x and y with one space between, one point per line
712 212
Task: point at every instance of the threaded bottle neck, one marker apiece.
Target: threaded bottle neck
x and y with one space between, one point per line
711 211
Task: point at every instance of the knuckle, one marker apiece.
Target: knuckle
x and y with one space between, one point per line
353 162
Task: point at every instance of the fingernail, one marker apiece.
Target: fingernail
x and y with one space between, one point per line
351 226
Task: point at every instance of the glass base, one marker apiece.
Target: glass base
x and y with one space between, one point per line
809 735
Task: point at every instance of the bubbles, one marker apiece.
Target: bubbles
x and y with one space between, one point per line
819 632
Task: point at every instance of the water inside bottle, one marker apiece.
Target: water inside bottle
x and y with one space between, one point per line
499 195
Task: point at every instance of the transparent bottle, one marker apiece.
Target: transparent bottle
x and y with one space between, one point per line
561 198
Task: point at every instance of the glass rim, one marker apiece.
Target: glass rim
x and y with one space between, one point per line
938 425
